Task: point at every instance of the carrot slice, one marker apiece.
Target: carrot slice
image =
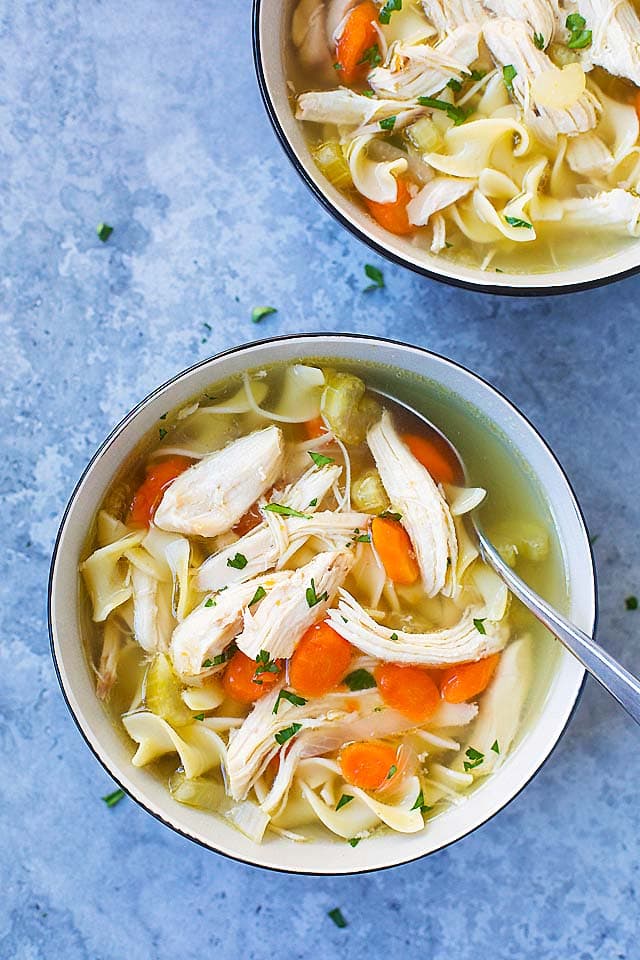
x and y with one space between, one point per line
636 102
393 216
434 455
240 681
466 680
147 497
320 661
358 36
314 428
368 763
408 689
395 550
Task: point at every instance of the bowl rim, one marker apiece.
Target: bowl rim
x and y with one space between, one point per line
493 289
110 767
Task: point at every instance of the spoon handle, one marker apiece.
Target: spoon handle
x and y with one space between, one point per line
619 682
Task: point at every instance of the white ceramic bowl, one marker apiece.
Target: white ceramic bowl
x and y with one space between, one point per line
322 857
271 22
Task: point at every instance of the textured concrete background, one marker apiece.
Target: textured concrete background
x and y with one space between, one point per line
146 115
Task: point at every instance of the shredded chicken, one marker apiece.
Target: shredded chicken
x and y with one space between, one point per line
294 601
511 44
424 510
437 195
615 44
448 15
472 638
209 497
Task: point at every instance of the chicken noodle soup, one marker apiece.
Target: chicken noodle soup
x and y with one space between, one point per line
503 135
291 622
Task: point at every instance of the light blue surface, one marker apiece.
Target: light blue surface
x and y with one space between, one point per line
146 115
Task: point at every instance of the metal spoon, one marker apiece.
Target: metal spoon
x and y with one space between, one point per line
621 684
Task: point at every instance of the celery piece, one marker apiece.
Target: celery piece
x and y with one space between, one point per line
347 408
425 135
523 538
331 161
163 692
199 792
368 494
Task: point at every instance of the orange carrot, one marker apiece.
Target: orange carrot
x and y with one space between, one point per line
241 683
147 497
434 455
466 680
368 763
314 428
393 216
636 101
407 689
358 36
319 662
395 550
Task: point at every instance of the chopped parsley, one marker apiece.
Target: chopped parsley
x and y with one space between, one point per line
337 66
579 38
223 657
389 515
631 603
259 313
209 602
312 597
264 664
343 801
314 502
363 538
198 716
336 913
475 759
457 114
291 697
394 636
454 85
371 56
538 39
374 274
285 511
319 459
258 595
420 804
360 680
104 231
112 798
163 416
476 75
283 735
495 746
390 7
162 433
388 123
354 841
238 562
479 625
509 73
392 771
517 222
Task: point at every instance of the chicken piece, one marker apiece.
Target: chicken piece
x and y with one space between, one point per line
308 33
259 547
107 671
425 512
615 44
448 15
610 210
344 107
152 618
209 629
589 156
212 495
511 44
440 193
294 601
420 70
540 15
465 641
